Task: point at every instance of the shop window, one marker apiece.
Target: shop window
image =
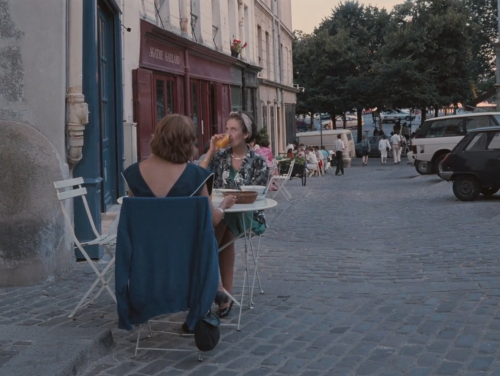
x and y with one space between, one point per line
194 96
160 100
170 97
250 97
271 125
264 115
236 98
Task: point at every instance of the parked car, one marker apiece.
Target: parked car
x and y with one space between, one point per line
374 151
329 137
474 164
391 116
304 123
438 136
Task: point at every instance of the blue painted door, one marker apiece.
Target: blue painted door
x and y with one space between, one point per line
107 102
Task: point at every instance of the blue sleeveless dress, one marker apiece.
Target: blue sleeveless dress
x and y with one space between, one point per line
190 183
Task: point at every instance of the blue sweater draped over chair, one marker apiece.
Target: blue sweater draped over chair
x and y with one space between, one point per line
166 259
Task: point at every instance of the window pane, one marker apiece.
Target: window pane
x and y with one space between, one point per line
170 96
236 98
160 100
495 142
478 143
477 122
264 116
446 128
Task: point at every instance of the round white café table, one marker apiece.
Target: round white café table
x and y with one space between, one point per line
263 204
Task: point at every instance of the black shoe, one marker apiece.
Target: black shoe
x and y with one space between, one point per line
226 311
185 329
221 298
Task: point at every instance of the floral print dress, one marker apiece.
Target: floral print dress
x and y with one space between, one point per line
253 171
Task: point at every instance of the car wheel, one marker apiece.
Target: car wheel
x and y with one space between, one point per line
408 118
437 161
466 187
423 167
489 191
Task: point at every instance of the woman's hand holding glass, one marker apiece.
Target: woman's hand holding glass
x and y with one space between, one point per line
218 141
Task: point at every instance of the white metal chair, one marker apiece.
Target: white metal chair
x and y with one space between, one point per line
65 191
280 181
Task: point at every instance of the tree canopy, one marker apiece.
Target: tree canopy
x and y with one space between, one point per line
424 53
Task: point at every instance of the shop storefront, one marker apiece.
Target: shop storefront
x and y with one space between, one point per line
176 75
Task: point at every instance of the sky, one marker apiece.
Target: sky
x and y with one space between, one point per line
307 14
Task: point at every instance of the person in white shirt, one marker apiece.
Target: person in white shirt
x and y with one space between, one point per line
338 147
311 160
384 146
319 157
396 147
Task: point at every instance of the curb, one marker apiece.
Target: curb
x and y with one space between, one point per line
39 351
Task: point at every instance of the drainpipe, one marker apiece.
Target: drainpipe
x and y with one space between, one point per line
76 108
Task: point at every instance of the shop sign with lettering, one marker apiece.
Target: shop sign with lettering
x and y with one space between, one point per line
157 55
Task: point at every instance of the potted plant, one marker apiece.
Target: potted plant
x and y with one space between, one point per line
236 47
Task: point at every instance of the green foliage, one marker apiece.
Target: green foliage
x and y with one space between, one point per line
262 135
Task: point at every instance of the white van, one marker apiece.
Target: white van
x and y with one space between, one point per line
438 136
329 137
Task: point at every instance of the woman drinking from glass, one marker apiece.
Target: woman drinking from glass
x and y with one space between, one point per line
235 165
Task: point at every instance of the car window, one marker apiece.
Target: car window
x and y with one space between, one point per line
349 137
446 128
477 122
478 142
495 142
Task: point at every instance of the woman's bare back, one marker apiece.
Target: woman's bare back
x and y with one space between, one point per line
160 175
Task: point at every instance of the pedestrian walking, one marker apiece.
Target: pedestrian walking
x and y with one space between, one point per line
384 146
338 147
396 147
365 150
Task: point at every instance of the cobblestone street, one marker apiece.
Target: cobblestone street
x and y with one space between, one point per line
377 272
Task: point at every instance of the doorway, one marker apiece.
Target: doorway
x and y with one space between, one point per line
201 111
107 104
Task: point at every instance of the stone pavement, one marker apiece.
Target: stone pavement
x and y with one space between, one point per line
377 272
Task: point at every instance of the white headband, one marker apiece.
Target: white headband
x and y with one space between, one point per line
246 120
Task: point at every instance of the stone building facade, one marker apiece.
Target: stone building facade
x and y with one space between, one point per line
85 102
277 96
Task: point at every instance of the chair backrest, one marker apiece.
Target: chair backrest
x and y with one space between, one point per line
65 190
290 169
164 260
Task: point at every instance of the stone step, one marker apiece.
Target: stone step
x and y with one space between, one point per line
41 351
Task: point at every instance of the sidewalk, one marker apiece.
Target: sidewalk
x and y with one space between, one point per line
352 287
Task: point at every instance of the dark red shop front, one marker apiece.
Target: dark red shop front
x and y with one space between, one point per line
179 76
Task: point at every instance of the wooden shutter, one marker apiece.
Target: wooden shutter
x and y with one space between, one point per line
143 110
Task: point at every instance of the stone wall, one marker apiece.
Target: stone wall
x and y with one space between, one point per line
34 245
